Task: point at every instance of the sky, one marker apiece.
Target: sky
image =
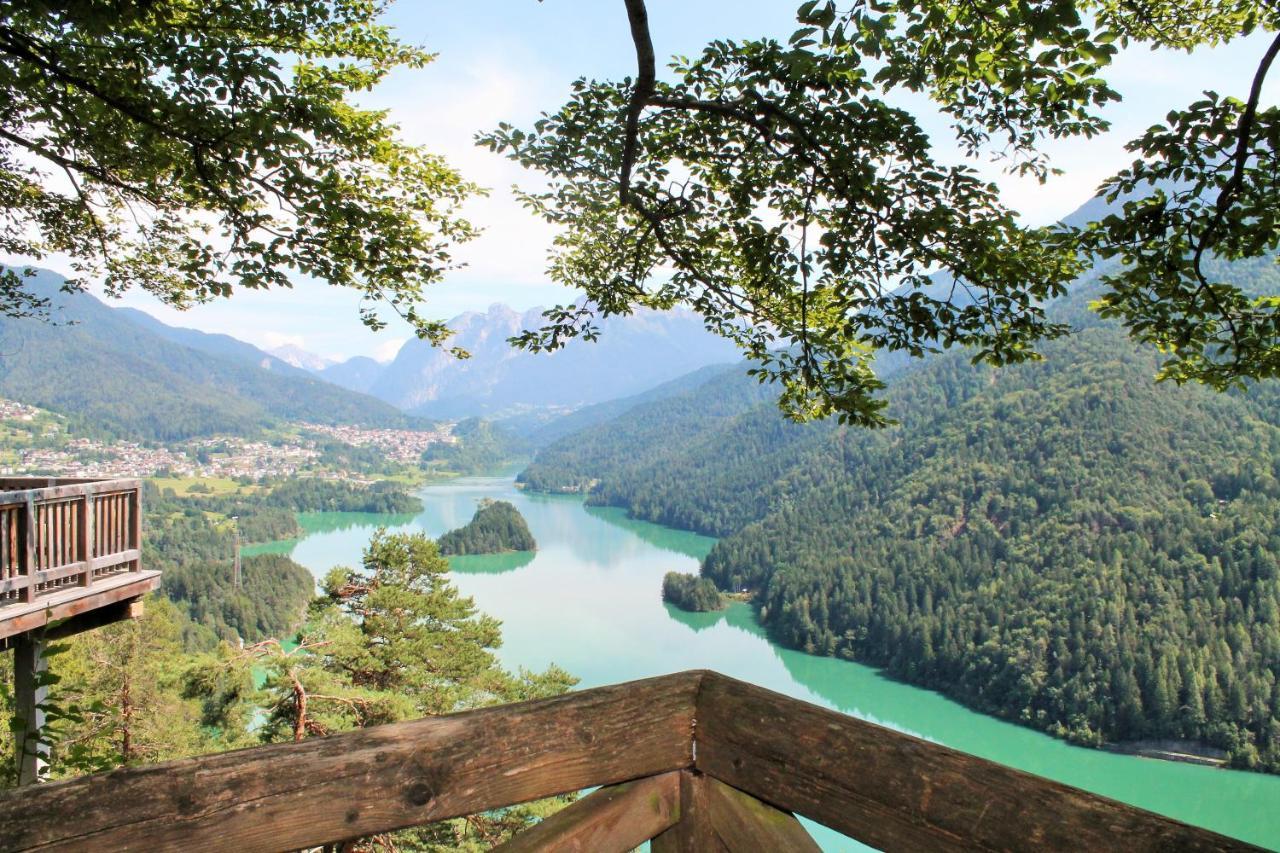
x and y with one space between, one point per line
510 60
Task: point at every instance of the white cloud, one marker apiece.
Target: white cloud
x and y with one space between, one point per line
387 349
278 339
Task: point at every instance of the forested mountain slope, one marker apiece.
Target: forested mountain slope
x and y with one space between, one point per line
1066 544
548 431
108 371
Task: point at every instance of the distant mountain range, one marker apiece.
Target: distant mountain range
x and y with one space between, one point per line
124 372
633 354
298 357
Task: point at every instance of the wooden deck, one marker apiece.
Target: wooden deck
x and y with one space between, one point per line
693 762
68 548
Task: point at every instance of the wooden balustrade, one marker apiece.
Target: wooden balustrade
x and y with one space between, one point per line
692 761
63 542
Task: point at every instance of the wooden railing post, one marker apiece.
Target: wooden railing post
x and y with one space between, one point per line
615 819
135 505
30 527
742 822
86 536
693 833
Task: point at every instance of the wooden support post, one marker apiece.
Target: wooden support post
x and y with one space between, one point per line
30 694
693 833
616 819
135 525
744 823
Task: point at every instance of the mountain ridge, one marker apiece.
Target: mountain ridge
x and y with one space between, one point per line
634 353
156 382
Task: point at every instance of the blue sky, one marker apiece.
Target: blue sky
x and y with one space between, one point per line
511 59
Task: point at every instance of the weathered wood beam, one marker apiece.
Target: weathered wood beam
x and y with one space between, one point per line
693 833
897 792
120 611
74 601
33 490
744 823
611 820
296 795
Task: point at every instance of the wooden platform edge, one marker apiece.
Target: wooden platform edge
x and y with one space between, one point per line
74 602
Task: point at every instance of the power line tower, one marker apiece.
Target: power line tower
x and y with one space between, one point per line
235 564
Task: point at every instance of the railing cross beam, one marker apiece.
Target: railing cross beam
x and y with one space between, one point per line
760 758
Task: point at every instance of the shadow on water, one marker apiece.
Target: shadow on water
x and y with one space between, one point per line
313 523
491 564
696 621
332 522
680 541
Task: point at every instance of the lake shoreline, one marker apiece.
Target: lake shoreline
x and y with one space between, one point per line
590 601
1184 752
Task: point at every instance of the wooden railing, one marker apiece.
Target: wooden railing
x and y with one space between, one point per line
56 534
693 762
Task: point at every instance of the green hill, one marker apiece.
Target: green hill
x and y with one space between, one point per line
112 371
496 528
1064 544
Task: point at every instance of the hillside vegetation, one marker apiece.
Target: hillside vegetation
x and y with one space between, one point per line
496 528
1065 544
195 552
691 593
110 371
482 447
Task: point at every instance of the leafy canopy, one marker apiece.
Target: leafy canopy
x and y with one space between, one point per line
777 190
190 148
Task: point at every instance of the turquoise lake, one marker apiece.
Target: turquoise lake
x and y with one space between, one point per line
590 600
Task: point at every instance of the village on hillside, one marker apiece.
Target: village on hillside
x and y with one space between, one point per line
44 446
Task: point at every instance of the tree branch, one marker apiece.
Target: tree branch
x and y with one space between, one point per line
646 81
1244 133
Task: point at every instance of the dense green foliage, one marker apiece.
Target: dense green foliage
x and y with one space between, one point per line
273 595
196 150
267 515
635 440
789 192
190 540
690 592
313 494
266 524
117 697
482 447
109 374
1071 547
195 555
388 641
392 640
497 527
1065 544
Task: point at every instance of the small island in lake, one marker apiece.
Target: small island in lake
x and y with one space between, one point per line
690 592
496 528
